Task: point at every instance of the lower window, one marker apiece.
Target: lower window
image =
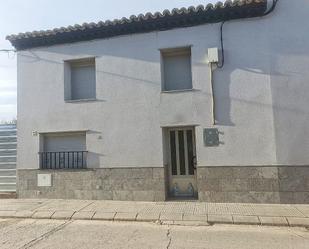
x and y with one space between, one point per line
63 151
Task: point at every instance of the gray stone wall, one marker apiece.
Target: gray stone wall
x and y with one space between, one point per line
139 184
257 184
274 184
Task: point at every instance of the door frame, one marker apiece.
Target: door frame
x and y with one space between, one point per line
168 167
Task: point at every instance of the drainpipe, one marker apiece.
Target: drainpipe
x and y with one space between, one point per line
213 107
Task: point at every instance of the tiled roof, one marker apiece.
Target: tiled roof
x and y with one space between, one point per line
177 18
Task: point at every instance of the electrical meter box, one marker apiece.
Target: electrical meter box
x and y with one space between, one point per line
44 180
213 55
211 137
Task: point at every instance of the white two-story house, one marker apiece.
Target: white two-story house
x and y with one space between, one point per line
207 103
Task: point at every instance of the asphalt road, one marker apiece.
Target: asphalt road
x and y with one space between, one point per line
18 233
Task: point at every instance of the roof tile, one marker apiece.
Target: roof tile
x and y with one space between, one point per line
176 18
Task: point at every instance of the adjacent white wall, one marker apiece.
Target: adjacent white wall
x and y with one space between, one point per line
261 94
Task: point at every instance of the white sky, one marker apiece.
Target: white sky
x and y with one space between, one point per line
28 15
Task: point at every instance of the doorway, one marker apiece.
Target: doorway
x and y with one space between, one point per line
181 163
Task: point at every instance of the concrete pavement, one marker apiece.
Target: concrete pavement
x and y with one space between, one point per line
67 234
177 213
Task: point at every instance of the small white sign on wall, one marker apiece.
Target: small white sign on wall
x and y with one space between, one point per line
44 180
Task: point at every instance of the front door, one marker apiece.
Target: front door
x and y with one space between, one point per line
181 166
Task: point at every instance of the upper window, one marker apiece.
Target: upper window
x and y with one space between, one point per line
176 69
80 80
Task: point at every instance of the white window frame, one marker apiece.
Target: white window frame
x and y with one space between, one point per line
174 50
68 82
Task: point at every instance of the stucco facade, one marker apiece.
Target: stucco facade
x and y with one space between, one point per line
261 97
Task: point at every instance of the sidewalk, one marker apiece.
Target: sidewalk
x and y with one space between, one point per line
177 213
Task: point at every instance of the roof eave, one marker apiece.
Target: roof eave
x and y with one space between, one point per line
185 18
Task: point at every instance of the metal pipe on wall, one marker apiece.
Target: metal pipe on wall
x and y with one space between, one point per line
213 107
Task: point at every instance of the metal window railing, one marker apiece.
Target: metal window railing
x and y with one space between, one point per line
63 160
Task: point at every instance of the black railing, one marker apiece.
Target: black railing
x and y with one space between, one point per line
63 160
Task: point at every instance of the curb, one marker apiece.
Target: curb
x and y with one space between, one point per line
156 218
8 195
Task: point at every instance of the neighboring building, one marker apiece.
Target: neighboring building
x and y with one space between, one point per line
7 160
122 110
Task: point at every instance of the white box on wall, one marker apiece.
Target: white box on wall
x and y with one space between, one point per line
213 55
44 180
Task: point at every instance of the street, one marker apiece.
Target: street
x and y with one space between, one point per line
44 233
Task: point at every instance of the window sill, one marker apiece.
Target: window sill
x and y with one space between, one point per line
80 100
178 91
